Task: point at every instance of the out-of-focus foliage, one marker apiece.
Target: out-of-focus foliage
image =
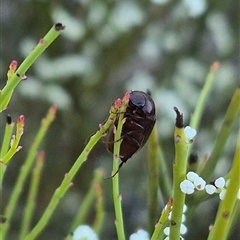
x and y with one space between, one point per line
108 48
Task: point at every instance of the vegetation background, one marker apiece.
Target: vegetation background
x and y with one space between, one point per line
108 48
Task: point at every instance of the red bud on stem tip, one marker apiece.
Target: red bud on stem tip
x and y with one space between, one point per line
13 65
20 124
54 108
126 98
21 119
115 108
170 201
52 112
215 66
118 103
12 68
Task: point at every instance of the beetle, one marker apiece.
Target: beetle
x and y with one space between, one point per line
140 118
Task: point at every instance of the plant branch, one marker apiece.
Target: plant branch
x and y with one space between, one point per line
179 174
221 226
6 93
228 122
117 198
66 183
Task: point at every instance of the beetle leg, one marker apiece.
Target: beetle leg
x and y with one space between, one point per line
120 165
112 142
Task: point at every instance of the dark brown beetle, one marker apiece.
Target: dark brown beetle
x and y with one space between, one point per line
140 119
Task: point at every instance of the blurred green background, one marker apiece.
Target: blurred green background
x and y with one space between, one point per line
108 48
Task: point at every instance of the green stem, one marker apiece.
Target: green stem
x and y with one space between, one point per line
221 226
100 213
155 150
85 207
179 174
86 203
14 147
230 117
162 220
202 100
4 149
6 139
234 219
115 181
66 183
31 200
7 91
196 117
153 178
18 187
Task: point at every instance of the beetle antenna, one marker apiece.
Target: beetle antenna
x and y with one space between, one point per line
120 165
149 92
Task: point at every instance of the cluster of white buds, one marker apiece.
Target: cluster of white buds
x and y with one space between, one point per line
194 182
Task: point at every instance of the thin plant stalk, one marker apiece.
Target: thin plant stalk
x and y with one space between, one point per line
67 181
153 178
206 165
117 198
87 201
7 136
100 213
196 117
221 226
202 100
234 219
179 174
158 177
225 131
162 220
26 168
5 147
6 93
32 196
14 143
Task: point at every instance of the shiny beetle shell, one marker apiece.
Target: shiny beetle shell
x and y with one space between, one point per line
140 119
